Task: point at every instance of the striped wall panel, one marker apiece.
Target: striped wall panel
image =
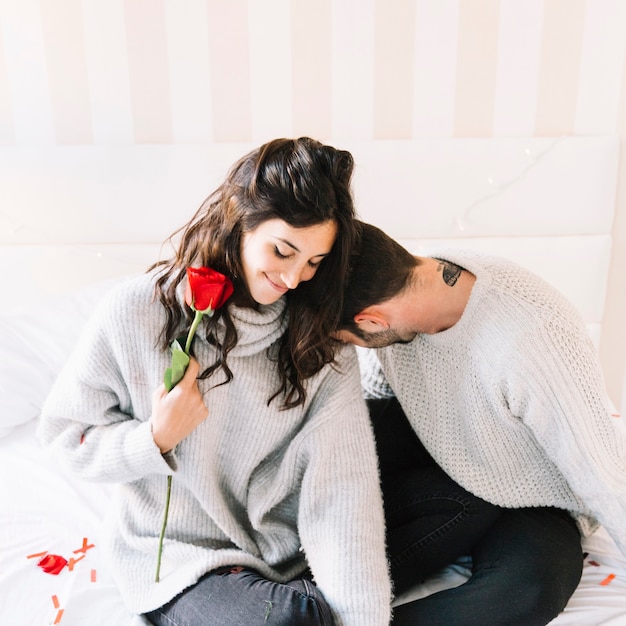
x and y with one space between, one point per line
162 71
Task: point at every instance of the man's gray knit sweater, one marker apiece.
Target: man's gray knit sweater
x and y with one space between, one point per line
253 485
510 400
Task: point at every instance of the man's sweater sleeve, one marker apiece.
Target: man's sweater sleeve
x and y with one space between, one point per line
562 398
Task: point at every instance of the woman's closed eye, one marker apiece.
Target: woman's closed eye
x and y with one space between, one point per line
280 255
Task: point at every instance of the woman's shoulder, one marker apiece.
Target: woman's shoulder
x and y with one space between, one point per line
134 286
132 299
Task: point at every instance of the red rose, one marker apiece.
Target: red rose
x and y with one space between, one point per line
207 290
52 563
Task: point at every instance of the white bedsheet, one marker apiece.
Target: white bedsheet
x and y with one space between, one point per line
44 510
545 203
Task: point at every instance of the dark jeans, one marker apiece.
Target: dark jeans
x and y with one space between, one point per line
229 597
526 563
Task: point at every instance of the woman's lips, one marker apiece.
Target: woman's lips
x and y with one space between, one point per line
275 286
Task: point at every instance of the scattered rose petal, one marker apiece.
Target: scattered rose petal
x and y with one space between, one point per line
52 563
37 555
86 546
73 561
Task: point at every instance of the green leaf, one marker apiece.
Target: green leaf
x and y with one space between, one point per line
180 361
167 379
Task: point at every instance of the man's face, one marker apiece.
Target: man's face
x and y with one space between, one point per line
379 339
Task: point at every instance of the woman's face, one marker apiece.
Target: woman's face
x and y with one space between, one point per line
277 257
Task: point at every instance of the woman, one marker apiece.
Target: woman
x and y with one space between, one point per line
267 438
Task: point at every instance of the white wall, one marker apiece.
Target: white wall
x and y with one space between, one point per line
195 71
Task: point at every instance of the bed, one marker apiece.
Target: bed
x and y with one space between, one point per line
74 221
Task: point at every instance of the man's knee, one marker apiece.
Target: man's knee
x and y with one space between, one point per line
534 561
537 600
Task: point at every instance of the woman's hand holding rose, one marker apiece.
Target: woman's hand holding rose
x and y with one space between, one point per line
177 413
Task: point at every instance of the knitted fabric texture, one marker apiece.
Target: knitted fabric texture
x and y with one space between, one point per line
274 490
510 401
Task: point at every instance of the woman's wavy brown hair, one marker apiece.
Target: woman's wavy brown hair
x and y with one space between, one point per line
304 183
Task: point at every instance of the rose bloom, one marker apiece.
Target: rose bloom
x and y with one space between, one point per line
206 289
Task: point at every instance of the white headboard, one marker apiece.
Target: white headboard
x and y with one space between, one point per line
547 204
73 215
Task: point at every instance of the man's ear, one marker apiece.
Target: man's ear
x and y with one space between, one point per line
371 320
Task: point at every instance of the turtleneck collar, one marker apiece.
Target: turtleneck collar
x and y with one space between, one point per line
257 329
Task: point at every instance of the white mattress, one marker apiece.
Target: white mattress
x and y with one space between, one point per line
44 510
547 204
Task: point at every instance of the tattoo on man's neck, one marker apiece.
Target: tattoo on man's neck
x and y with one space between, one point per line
450 272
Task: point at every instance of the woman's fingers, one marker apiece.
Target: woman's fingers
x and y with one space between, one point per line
177 413
191 373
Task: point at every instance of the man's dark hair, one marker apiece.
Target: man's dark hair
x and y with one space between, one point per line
380 269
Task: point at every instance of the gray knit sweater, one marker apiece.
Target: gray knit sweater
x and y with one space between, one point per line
253 485
510 400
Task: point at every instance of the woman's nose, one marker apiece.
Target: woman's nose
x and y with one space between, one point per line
297 274
292 278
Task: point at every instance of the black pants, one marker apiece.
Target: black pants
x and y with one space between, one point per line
526 562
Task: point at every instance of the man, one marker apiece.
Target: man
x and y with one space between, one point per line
502 389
